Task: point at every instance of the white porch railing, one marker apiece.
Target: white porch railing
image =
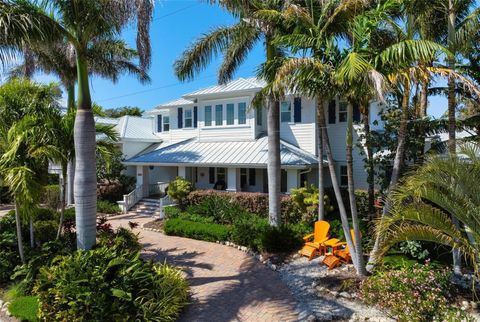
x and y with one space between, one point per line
164 202
131 199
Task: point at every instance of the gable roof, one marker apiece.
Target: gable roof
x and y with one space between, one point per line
238 85
175 103
132 128
242 153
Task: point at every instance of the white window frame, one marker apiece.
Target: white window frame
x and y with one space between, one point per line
282 112
185 118
342 112
221 121
233 114
212 120
238 113
163 122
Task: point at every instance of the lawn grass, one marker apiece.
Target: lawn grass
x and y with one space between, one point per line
24 308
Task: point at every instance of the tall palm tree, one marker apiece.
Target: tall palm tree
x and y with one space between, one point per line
82 23
234 43
426 201
28 112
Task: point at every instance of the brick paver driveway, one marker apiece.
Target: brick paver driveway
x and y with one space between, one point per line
226 284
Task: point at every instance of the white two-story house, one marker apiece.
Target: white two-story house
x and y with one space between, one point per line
216 139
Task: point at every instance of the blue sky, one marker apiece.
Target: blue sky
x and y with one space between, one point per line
177 23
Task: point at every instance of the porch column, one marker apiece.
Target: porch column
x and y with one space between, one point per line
139 175
232 179
182 172
292 179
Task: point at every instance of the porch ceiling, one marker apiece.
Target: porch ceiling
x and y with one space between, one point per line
241 153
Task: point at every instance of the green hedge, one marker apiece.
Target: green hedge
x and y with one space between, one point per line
107 207
24 308
196 230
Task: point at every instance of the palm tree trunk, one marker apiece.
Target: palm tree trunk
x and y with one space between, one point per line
336 186
360 265
85 184
370 163
422 114
452 144
63 188
70 181
273 166
321 186
32 237
18 225
397 164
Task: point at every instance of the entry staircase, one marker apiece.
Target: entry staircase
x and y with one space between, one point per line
149 200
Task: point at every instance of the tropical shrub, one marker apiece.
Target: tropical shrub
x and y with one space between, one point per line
251 202
109 284
248 231
306 200
51 196
9 257
24 308
222 211
179 189
415 293
107 207
196 230
121 238
45 230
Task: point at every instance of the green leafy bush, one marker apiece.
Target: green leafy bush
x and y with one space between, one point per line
107 207
45 230
196 230
223 211
415 293
42 214
25 308
109 284
251 202
9 257
248 231
306 201
122 238
51 196
179 189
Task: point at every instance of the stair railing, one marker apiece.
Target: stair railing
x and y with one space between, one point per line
131 199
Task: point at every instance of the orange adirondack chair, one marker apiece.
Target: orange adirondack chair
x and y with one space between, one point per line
339 255
319 236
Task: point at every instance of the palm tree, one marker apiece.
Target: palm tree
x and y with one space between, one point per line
427 200
29 112
82 23
234 43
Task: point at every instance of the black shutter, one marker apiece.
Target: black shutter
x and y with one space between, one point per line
297 110
251 177
180 118
332 106
159 123
211 175
195 117
356 113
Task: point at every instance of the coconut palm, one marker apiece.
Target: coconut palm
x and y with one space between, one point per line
82 23
427 200
234 43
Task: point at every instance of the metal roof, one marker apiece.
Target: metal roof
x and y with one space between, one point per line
107 120
241 153
238 85
136 128
175 103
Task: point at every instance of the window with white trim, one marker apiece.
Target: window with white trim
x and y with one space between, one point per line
208 116
343 176
188 117
166 123
242 113
342 112
286 111
219 114
230 114
259 116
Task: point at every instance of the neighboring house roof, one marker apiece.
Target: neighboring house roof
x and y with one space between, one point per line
238 85
131 128
247 153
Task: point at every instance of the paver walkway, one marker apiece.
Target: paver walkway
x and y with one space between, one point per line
226 284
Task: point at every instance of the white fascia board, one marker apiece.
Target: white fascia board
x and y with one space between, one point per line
215 165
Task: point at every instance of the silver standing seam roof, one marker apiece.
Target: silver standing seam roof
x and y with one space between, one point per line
130 128
238 85
247 153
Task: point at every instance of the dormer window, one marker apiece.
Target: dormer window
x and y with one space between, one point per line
163 123
242 113
342 112
166 123
286 112
188 117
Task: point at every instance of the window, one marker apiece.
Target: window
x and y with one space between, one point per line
343 176
211 175
166 123
243 177
251 177
188 118
286 112
332 106
222 174
230 114
259 116
242 113
159 123
342 112
208 116
219 114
